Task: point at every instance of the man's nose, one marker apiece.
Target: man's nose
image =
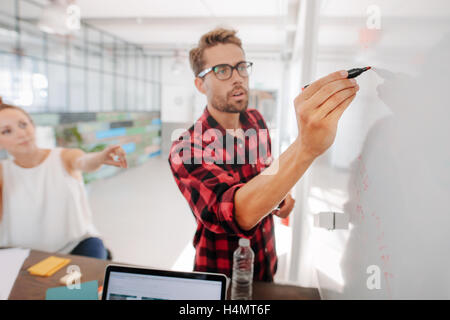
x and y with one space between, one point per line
236 77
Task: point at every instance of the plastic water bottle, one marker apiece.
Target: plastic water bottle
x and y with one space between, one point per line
242 277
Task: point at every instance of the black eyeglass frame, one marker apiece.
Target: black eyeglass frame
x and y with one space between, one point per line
203 73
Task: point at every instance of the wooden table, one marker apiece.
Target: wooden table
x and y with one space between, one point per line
28 287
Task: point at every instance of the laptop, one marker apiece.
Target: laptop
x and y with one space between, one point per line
131 283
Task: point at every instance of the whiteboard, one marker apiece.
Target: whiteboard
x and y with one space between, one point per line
389 167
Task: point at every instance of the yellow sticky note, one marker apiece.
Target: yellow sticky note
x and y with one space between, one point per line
48 267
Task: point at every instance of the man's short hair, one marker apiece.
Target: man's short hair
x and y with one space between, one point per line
208 40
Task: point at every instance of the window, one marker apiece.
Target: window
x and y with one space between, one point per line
88 71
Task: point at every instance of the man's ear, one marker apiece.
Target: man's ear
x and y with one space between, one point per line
200 85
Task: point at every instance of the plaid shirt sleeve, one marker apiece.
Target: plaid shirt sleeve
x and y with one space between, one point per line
209 190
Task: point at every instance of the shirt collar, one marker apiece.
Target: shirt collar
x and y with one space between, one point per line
210 122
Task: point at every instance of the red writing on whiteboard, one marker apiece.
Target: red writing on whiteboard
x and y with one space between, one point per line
362 187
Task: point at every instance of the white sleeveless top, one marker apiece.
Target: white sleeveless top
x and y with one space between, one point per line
44 208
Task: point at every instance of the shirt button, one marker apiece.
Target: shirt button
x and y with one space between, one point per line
265 250
264 229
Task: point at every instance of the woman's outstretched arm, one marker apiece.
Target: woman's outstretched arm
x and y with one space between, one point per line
78 160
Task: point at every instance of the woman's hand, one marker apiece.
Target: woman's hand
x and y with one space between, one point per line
114 156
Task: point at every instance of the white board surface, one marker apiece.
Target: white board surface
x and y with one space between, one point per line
389 167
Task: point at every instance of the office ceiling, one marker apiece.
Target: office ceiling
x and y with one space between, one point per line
265 26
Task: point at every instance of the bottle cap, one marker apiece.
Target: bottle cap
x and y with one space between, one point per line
243 242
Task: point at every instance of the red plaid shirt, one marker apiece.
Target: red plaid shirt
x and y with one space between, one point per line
209 169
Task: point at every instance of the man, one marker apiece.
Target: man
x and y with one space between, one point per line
229 195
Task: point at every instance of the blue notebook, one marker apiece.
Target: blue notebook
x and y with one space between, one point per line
87 291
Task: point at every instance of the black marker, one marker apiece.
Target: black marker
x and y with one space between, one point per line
352 73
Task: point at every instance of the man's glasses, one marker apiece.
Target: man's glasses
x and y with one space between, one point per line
224 71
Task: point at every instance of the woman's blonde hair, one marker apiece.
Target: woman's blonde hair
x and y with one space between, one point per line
208 40
4 106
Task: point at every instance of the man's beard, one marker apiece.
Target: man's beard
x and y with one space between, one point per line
222 104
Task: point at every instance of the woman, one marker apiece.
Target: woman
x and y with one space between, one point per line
43 202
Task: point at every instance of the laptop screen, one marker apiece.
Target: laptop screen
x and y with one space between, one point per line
124 283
